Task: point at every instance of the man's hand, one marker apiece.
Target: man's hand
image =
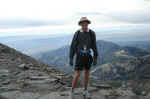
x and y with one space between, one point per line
71 62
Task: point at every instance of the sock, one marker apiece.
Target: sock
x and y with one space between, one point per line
72 89
85 87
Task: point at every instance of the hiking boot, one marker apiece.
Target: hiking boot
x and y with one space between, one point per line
86 94
71 95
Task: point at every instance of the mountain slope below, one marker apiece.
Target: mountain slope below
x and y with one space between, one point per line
108 52
135 68
22 77
19 72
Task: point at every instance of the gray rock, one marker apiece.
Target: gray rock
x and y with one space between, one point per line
130 97
39 77
23 66
102 86
4 71
9 88
56 95
4 75
20 95
6 82
28 95
40 81
10 94
2 97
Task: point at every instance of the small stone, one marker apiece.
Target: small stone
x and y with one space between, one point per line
3 71
6 82
102 86
143 93
39 77
23 66
2 97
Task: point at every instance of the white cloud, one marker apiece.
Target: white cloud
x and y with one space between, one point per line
68 12
63 9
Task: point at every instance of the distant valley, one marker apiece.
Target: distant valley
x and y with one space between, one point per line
110 55
36 44
138 44
115 58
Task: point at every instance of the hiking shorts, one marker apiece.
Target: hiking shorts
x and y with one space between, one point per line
83 62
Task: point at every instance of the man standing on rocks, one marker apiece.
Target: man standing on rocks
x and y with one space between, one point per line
84 41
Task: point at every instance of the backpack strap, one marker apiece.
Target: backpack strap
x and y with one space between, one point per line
91 34
78 34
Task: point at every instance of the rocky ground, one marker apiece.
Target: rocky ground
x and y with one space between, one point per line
22 77
20 74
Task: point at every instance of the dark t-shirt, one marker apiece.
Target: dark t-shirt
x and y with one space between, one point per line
82 39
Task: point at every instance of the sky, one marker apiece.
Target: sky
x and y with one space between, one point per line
59 17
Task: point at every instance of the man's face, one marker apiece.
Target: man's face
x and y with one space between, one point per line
84 26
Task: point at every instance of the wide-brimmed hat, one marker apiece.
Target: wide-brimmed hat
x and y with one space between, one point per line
84 19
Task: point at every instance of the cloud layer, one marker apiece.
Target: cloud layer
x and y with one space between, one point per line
63 15
22 23
135 17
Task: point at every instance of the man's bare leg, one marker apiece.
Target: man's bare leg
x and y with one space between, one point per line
75 79
86 79
74 83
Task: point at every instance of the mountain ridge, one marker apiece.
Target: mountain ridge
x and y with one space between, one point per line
22 77
108 52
